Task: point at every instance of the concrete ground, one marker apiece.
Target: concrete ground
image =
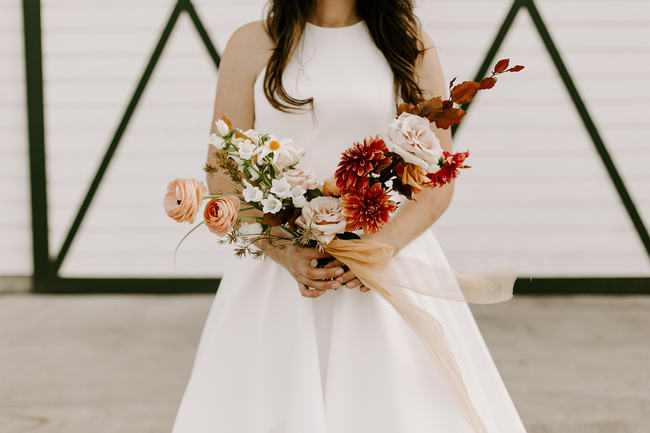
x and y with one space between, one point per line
119 364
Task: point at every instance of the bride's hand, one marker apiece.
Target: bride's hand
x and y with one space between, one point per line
297 260
348 278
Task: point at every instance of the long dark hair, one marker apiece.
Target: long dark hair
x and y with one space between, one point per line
391 23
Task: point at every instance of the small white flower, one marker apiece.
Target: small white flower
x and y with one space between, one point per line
271 204
246 149
284 152
216 141
252 193
298 196
281 188
222 127
236 159
253 135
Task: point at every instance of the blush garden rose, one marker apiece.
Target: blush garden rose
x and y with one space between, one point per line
411 137
323 217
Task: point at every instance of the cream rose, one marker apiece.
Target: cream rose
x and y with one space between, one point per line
410 137
287 155
302 176
324 217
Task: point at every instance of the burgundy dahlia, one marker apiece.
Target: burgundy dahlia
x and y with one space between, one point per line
358 161
368 209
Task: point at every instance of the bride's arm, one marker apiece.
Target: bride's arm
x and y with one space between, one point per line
415 216
242 58
245 55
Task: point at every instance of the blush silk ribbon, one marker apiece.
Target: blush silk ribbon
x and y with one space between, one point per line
373 263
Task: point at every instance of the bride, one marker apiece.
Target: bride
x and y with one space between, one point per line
283 349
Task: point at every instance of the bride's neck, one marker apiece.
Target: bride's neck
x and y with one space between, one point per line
334 13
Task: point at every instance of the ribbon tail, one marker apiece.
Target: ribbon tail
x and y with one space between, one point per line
370 263
431 332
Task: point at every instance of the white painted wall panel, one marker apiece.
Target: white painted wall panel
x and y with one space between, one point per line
15 240
550 210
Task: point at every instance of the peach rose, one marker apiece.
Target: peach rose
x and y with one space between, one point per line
183 199
220 214
324 217
329 187
301 176
411 137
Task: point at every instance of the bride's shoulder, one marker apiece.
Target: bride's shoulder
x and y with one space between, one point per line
248 48
250 39
429 67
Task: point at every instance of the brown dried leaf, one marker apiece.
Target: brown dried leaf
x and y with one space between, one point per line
405 190
501 66
405 107
279 218
464 92
488 83
430 108
448 117
516 68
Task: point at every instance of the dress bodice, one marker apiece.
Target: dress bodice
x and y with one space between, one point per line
352 86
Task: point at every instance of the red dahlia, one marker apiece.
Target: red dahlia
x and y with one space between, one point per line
368 209
449 171
358 161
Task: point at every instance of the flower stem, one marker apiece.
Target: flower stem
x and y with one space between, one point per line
183 238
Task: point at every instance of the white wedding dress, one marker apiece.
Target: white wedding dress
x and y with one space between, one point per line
272 361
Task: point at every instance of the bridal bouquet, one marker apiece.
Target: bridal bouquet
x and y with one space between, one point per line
372 179
281 201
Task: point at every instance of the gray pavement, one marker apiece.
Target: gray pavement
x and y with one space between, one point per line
119 364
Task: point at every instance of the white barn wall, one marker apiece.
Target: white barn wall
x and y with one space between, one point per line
15 221
551 209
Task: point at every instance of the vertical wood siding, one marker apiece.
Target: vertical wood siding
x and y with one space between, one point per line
537 198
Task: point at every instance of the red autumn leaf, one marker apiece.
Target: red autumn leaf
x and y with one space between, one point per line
430 108
488 83
501 66
516 68
464 92
448 117
451 83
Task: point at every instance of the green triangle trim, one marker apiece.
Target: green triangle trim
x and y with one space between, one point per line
579 104
180 6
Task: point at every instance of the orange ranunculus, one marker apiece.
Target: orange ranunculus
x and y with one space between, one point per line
183 199
412 175
329 187
220 214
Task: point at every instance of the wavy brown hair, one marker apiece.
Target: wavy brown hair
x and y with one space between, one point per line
392 26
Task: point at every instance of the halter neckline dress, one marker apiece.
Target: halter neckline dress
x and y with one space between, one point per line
272 361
